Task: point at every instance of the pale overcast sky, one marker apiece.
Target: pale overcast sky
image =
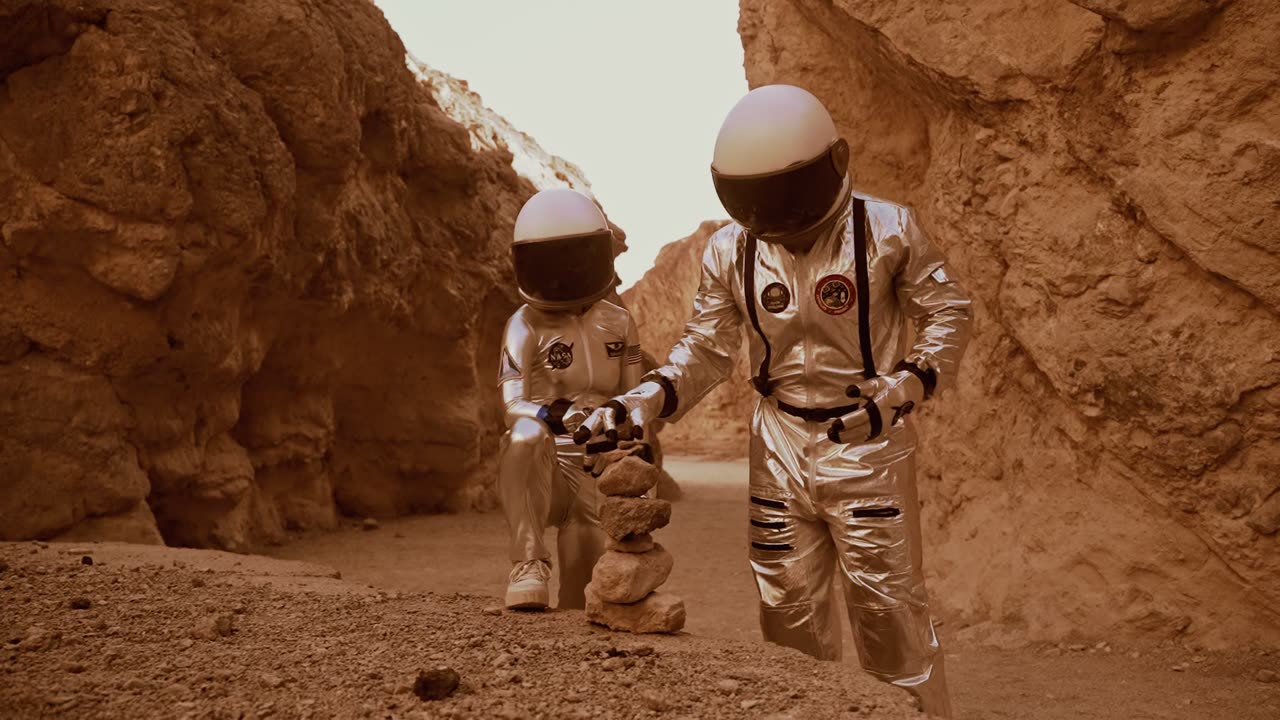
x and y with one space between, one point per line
631 92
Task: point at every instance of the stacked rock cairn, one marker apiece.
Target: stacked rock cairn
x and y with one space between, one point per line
622 593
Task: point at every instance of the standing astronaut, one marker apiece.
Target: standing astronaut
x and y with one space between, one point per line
826 278
564 353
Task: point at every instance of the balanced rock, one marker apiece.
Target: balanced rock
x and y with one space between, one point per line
623 516
629 476
656 613
628 577
631 544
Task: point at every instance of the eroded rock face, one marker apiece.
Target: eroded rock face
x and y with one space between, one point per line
247 265
1102 177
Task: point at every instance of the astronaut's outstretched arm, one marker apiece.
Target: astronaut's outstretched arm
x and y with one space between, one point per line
701 359
705 355
562 416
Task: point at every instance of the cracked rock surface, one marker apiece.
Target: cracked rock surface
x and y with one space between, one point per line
1102 177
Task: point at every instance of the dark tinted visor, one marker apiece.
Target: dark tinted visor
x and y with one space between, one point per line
787 201
565 269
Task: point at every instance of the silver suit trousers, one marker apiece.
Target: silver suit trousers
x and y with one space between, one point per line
821 511
543 486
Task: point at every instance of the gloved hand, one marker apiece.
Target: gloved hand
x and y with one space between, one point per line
575 416
884 401
640 406
563 417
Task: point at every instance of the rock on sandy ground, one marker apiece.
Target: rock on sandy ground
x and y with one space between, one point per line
301 643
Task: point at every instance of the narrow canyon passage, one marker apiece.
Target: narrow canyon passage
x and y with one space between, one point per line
466 553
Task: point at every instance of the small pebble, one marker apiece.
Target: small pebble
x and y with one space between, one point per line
1268 676
73 667
492 610
748 704
436 684
1179 667
86 560
81 603
655 702
728 687
370 524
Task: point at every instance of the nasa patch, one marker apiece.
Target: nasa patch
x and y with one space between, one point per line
614 349
775 298
835 294
560 356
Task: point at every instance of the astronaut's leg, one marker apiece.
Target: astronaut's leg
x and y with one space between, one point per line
792 554
877 534
526 472
579 541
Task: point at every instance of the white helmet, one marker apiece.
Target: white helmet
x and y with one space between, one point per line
563 251
779 164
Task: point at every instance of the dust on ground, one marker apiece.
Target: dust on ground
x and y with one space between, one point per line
153 632
708 538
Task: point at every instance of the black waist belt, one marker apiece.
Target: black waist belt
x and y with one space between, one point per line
816 414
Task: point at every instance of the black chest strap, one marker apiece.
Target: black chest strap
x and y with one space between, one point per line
864 288
761 380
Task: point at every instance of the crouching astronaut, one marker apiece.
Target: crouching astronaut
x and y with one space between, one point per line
566 351
826 278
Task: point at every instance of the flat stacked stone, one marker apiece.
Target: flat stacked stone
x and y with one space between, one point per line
621 595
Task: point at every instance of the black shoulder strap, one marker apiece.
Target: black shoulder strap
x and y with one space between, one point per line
864 290
761 380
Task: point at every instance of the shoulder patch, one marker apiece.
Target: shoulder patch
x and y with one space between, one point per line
508 368
614 349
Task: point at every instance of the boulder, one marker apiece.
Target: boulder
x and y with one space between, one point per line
630 476
623 516
627 577
657 613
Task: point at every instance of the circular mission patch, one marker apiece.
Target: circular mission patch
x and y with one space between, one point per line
835 294
775 298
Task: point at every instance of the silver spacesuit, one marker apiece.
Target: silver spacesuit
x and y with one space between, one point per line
557 365
817 505
564 353
827 278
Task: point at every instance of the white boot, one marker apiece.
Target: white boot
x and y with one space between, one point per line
527 589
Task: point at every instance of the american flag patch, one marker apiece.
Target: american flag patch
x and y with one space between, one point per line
634 355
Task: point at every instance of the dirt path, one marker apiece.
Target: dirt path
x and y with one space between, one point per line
707 536
153 632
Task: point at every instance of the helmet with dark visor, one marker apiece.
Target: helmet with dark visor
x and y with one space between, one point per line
564 272
787 201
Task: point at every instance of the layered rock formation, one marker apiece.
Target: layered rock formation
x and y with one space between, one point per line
248 265
623 592
1103 178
